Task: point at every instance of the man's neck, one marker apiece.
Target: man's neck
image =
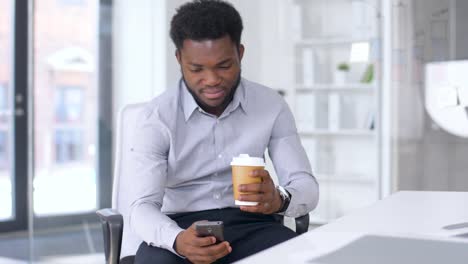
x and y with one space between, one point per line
217 111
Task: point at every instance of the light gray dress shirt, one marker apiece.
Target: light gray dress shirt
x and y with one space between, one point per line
183 156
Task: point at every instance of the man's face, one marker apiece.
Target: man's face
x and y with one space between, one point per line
211 69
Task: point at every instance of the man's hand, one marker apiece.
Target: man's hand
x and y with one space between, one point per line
200 249
265 193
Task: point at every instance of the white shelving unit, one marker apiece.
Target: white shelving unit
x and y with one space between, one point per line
337 113
338 133
329 41
347 87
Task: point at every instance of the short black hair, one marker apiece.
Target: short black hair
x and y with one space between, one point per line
205 19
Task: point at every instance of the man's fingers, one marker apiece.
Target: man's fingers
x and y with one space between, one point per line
203 241
264 174
252 209
224 250
221 248
252 187
210 254
201 249
253 197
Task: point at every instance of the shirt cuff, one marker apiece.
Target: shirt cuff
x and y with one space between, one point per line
294 209
168 237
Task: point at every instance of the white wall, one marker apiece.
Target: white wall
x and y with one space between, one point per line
139 51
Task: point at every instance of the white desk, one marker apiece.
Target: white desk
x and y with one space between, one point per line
406 214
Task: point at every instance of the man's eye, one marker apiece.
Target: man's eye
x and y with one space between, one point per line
225 66
196 70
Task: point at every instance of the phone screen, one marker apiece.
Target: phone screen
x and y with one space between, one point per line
211 228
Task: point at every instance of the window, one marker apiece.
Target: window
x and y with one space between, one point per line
68 145
66 44
9 211
3 149
3 96
71 2
69 104
68 113
69 160
3 102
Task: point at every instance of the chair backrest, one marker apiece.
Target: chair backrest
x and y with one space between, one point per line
123 172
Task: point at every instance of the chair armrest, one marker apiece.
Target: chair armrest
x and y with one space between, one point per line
112 228
302 224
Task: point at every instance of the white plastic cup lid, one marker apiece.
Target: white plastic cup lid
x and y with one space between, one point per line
246 160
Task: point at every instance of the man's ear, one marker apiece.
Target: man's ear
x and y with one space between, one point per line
177 54
241 51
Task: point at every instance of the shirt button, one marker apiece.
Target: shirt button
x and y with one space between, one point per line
220 156
216 196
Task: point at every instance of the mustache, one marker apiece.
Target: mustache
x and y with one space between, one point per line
211 88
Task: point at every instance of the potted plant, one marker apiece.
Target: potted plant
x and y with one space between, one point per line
341 73
368 75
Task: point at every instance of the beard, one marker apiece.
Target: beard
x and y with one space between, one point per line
223 105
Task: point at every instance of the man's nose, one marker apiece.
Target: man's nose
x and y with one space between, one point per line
212 78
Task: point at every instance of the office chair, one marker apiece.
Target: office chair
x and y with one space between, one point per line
120 244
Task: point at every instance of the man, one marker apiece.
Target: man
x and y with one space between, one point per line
187 137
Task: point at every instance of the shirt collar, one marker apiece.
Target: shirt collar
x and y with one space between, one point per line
189 104
239 99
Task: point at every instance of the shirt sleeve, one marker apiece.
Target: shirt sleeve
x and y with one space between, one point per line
292 165
149 149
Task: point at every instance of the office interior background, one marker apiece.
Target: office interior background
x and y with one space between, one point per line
356 74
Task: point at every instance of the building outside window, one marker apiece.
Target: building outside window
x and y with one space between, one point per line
68 138
69 104
68 145
4 113
3 102
3 149
71 2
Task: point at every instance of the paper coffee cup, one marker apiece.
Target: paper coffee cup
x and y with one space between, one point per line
241 168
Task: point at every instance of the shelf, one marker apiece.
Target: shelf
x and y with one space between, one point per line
348 132
336 114
351 87
331 41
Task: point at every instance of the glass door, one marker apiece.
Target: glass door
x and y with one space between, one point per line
13 116
55 126
62 137
71 161
6 123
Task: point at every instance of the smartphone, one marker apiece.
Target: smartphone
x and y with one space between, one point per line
211 228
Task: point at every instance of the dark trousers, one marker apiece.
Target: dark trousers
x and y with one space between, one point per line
247 233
